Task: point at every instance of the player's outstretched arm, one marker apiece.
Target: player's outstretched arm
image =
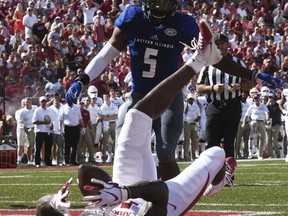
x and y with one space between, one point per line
231 67
111 194
96 66
56 204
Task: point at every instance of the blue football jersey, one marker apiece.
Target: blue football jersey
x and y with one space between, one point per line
154 50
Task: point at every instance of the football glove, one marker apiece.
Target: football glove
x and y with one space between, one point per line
59 200
75 90
268 80
105 194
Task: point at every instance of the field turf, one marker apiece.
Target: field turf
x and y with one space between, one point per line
261 188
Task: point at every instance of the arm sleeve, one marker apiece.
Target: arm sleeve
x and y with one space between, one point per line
101 60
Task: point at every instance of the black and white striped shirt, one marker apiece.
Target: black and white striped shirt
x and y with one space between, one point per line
211 76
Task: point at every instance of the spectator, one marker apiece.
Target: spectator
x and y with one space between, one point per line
99 33
18 17
114 99
259 115
10 21
47 72
28 21
74 38
277 10
53 86
215 10
20 134
85 141
43 129
241 10
16 40
26 120
71 119
191 118
105 7
114 13
273 130
86 40
57 22
39 30
276 35
54 37
232 8
109 28
48 9
124 5
88 7
57 145
225 10
96 127
279 57
78 18
269 67
279 21
187 54
243 133
100 16
109 115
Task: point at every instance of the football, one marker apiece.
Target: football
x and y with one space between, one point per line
85 174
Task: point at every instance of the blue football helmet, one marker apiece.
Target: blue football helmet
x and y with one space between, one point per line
159 11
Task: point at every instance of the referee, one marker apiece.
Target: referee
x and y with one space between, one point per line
223 93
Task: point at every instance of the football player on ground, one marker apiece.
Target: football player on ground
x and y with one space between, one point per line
155 35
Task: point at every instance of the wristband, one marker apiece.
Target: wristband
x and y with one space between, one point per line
213 88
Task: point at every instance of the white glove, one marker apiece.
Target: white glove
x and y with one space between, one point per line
83 131
111 194
58 200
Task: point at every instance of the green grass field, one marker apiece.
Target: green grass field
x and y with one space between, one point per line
260 186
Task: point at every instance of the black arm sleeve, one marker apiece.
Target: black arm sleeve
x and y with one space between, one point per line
84 78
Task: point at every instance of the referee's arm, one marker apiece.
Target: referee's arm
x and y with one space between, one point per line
208 89
204 89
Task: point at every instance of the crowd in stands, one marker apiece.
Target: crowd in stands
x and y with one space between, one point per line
45 44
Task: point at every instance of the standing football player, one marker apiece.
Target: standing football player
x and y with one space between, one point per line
155 35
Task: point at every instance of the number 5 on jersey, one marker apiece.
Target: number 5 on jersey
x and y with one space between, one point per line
150 61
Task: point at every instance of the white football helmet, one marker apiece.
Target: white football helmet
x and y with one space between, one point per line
253 91
265 91
92 91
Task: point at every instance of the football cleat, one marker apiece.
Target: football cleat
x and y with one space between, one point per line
228 179
206 52
206 35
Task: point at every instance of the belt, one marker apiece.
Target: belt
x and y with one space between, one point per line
189 123
225 102
112 122
258 120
